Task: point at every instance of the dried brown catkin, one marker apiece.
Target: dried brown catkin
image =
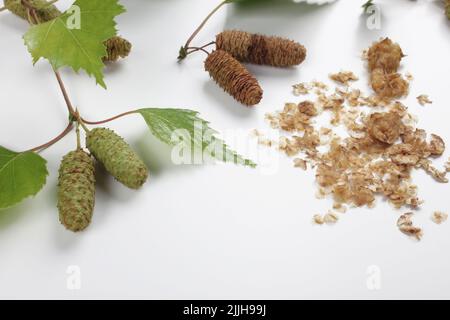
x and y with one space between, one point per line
233 77
117 47
261 49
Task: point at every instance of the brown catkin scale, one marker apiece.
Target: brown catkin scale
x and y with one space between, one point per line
76 190
233 77
44 12
261 49
117 47
388 85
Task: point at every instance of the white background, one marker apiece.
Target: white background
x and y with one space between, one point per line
220 231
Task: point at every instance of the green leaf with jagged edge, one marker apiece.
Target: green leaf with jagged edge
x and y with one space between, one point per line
75 38
21 175
163 123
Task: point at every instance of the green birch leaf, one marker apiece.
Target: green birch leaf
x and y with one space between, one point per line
75 38
164 122
21 175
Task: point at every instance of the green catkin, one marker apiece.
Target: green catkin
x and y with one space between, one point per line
117 47
44 11
76 190
261 49
117 157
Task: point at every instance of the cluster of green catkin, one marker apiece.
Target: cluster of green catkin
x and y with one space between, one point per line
233 47
116 47
76 183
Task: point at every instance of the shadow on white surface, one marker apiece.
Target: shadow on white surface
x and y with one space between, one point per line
14 214
271 19
225 101
157 156
114 67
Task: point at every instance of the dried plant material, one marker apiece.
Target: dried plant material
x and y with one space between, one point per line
439 176
385 127
318 219
116 47
405 225
308 108
403 154
300 89
388 85
319 85
339 207
261 139
439 217
436 146
447 165
365 54
409 77
385 55
353 98
344 77
330 218
233 78
300 163
265 142
261 49
384 61
272 120
374 157
256 133
423 99
294 117
370 161
307 143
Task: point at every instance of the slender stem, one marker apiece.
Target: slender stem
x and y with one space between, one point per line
54 140
31 13
69 105
208 44
188 42
81 123
78 136
110 119
74 113
190 50
193 49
